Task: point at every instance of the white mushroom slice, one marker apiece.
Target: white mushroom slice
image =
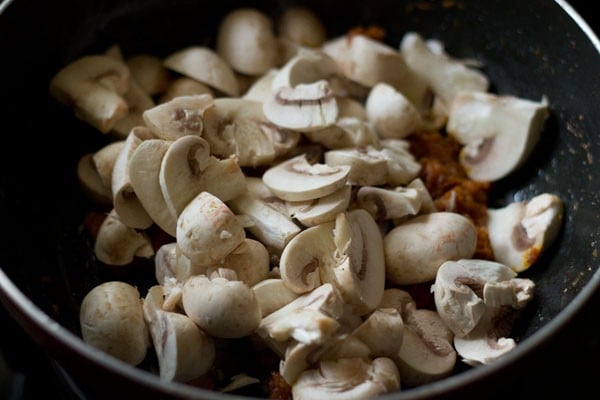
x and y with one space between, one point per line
385 204
246 41
297 180
178 117
184 86
304 107
144 172
308 66
486 342
521 231
183 350
392 114
138 101
347 378
370 62
125 200
239 381
402 166
368 167
301 26
250 261
445 75
426 354
346 132
149 73
268 224
93 86
238 127
382 332
465 289
91 181
305 255
111 320
205 65
165 262
272 294
309 319
411 259
399 299
499 132
188 169
105 159
359 271
324 209
222 308
427 204
115 53
260 90
207 230
119 244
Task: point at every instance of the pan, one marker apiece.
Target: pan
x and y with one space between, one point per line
535 49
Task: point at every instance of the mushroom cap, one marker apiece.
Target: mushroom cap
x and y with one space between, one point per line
246 41
382 332
205 65
149 73
272 294
184 86
111 320
324 209
415 249
222 308
207 230
392 114
250 261
499 132
301 26
297 180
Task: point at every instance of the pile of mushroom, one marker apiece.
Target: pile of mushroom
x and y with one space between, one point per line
277 163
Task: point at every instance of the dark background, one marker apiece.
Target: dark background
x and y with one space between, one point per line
570 364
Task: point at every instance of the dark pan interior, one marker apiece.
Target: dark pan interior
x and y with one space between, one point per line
528 49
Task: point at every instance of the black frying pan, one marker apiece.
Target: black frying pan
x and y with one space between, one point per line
529 49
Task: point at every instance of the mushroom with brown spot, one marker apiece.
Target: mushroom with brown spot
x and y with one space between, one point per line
178 117
498 132
522 230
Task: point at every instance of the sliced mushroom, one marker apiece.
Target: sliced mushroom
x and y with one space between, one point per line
305 255
309 319
392 114
91 181
187 169
272 294
499 132
183 350
359 271
347 378
304 107
308 66
367 165
444 74
178 117
138 101
105 159
119 244
205 65
402 166
184 86
245 40
521 231
260 90
415 249
222 308
382 332
426 354
238 127
385 204
268 224
427 204
93 85
149 73
324 209
465 289
250 261
370 62
301 26
346 132
125 200
111 320
207 230
144 172
115 53
297 180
